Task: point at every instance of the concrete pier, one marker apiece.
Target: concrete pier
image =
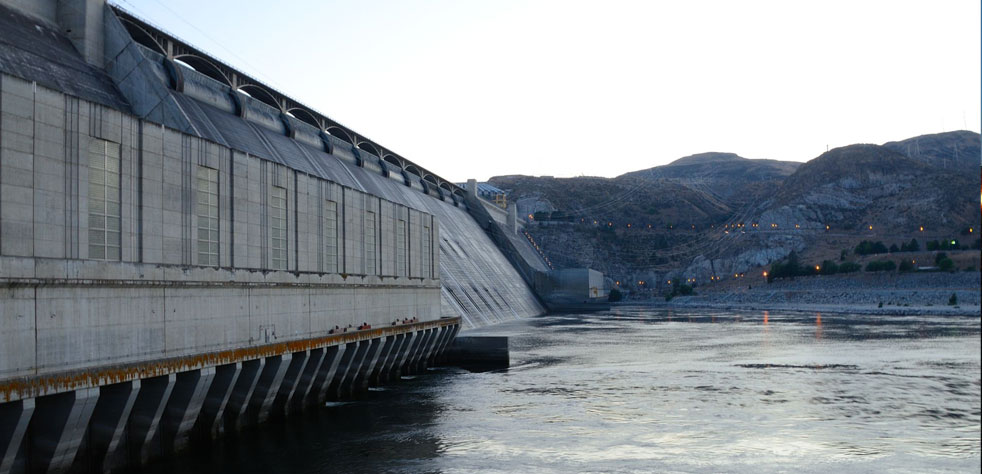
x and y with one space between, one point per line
478 354
110 427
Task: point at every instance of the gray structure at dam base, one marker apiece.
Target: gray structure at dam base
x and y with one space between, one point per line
185 251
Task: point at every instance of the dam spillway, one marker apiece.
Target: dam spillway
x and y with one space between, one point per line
181 256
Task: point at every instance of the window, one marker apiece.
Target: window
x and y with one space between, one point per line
104 208
330 237
400 247
277 224
370 243
425 256
207 216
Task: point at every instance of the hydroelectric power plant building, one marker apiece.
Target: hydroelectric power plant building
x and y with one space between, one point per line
185 251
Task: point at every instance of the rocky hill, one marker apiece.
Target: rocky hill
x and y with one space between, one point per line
860 185
952 150
735 180
719 213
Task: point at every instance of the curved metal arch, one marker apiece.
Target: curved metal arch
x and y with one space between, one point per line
305 116
142 36
446 187
430 179
204 66
392 160
339 133
369 147
261 94
413 169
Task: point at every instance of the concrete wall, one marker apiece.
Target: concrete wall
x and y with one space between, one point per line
62 310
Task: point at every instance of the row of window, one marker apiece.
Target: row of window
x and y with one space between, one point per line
104 220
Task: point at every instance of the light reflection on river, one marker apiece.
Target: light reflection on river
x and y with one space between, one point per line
642 390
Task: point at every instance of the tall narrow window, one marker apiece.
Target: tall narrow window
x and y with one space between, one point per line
400 247
277 224
370 243
104 209
207 216
330 237
425 256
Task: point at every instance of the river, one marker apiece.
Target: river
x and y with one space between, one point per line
650 390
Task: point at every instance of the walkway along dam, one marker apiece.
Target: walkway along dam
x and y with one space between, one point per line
185 251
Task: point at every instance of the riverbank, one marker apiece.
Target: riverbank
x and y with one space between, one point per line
896 294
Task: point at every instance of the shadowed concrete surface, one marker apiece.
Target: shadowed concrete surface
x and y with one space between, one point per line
185 251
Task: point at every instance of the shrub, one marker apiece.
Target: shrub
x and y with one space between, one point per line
939 257
615 295
868 247
828 268
787 268
946 265
933 246
953 300
849 267
881 266
949 244
911 246
906 266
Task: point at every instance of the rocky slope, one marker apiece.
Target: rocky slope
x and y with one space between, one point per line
721 214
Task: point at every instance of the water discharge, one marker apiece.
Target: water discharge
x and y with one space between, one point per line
642 390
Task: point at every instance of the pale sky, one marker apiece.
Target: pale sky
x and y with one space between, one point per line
473 89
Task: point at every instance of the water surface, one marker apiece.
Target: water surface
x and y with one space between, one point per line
647 390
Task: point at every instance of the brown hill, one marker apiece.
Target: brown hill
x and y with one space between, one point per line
694 205
861 185
731 178
952 150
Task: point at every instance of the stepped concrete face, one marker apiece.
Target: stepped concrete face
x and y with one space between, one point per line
182 256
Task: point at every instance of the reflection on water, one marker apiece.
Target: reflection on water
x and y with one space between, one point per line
640 390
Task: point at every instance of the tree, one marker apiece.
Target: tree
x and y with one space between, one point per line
933 246
615 295
894 248
868 247
881 266
939 257
911 246
946 264
828 267
906 266
849 267
953 300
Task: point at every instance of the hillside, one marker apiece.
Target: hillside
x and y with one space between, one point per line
861 185
951 150
695 215
735 180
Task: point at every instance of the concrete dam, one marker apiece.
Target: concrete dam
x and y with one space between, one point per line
186 251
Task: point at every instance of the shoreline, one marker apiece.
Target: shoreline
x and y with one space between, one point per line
874 310
890 294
